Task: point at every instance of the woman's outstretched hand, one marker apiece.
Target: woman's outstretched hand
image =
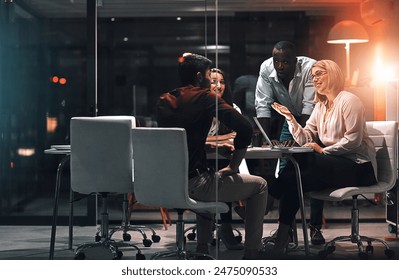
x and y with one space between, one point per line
282 110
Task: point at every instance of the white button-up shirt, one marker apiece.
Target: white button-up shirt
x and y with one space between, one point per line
299 98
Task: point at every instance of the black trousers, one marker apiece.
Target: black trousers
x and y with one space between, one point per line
316 205
318 172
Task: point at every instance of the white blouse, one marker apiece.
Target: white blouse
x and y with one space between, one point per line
342 129
215 123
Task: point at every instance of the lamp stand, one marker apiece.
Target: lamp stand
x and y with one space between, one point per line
348 73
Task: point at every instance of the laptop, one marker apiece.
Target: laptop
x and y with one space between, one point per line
277 147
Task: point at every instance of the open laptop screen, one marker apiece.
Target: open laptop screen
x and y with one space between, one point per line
263 132
269 142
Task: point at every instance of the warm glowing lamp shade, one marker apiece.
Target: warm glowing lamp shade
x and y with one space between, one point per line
347 32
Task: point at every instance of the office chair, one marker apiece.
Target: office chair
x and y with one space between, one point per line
161 180
101 163
384 134
125 227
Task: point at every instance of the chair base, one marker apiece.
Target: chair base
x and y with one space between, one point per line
363 252
356 238
139 228
103 240
108 245
180 253
126 227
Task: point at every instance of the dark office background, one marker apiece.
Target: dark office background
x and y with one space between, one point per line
136 62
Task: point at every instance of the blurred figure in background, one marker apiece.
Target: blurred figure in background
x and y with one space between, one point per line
244 96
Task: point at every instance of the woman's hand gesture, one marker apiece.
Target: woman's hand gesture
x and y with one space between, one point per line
282 110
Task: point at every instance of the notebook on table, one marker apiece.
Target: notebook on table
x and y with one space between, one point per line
61 147
278 147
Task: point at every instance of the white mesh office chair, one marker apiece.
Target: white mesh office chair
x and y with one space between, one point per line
101 163
161 179
385 137
125 226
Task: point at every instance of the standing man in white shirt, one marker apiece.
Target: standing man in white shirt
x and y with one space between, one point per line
286 78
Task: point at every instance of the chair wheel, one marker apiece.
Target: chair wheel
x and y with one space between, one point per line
97 238
140 256
126 237
80 256
191 236
370 249
389 253
147 242
119 255
155 238
238 238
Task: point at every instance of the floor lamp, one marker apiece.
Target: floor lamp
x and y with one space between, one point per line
347 32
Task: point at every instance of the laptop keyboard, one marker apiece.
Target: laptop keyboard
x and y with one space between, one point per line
288 143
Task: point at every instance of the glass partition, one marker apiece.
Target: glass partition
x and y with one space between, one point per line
43 84
47 76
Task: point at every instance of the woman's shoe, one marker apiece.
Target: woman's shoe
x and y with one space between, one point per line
226 235
279 250
316 236
282 240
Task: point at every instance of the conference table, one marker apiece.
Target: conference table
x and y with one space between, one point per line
273 153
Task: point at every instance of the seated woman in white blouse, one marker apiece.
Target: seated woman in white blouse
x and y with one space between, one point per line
343 154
